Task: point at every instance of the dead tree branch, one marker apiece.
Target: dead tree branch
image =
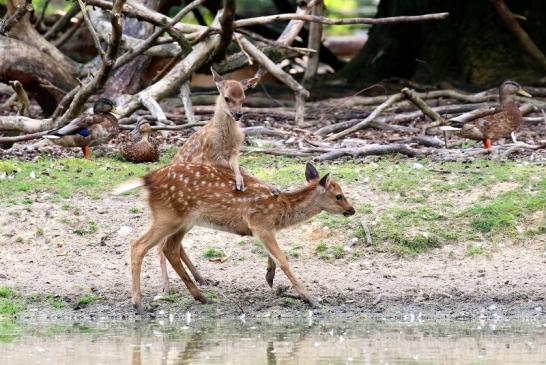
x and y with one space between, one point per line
521 35
437 120
99 80
92 30
63 22
391 100
374 149
185 95
18 14
314 41
226 22
323 20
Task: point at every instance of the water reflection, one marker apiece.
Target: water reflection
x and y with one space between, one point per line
272 342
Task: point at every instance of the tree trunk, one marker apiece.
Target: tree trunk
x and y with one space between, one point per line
472 46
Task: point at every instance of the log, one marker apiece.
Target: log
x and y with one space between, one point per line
374 149
34 70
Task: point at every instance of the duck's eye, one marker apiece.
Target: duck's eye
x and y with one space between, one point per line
339 197
226 99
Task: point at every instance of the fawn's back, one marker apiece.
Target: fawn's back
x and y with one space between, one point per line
196 194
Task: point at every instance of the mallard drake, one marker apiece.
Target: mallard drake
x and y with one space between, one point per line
143 149
501 123
88 130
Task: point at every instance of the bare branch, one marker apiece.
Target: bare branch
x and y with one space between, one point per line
100 78
226 22
314 41
523 38
18 14
63 22
185 95
320 19
92 30
374 149
391 100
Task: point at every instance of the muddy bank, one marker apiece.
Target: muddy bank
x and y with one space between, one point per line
59 252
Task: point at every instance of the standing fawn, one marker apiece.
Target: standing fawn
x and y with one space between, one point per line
219 141
181 196
218 144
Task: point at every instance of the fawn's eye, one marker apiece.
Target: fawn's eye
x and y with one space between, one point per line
227 99
339 197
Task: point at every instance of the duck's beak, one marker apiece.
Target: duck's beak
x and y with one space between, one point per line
523 93
115 111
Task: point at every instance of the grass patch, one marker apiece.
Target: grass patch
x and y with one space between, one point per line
55 301
9 301
473 250
134 210
321 247
211 252
86 299
258 249
416 244
85 230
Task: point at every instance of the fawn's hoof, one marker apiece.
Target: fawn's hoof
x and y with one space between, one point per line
311 302
269 276
201 298
139 308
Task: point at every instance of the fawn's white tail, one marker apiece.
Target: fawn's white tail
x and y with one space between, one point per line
128 186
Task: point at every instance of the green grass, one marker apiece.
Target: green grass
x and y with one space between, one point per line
10 303
211 252
90 228
415 205
473 250
86 299
56 302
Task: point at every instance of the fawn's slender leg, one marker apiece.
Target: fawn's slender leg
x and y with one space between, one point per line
270 274
171 249
270 243
196 275
154 235
163 263
234 164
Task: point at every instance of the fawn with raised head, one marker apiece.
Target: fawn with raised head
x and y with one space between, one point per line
184 195
218 143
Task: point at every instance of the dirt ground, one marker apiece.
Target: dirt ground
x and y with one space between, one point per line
42 256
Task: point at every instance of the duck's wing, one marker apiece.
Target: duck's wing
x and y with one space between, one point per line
76 126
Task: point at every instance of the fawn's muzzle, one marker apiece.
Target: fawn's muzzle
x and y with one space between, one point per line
238 115
349 212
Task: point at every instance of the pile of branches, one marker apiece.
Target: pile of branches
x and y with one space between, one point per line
32 62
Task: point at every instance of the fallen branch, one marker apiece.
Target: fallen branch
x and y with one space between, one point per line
314 41
374 149
347 21
18 14
391 100
21 138
364 226
420 103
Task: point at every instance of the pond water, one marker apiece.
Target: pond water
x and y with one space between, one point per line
269 341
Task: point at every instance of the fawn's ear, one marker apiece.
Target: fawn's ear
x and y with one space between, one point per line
218 80
325 181
250 83
311 172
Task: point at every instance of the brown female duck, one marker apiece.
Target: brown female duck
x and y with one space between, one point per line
143 149
500 124
88 130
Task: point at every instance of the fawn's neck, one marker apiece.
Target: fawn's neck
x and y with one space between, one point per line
221 118
299 206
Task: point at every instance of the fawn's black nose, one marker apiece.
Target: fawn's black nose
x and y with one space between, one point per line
349 212
238 115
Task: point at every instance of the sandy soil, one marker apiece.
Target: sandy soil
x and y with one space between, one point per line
42 255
